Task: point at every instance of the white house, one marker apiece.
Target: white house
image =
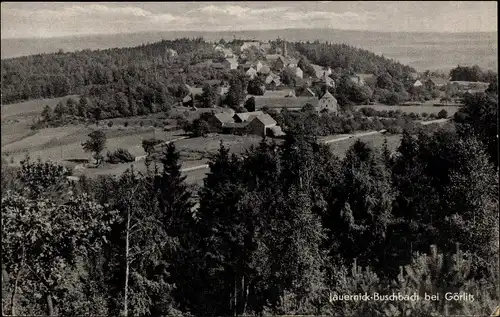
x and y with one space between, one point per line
258 65
299 73
418 83
328 102
251 72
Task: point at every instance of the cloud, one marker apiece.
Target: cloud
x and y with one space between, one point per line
60 19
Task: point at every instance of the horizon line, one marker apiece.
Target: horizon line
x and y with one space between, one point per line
232 31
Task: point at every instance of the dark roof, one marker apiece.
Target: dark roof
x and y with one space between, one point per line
328 95
224 117
265 119
438 81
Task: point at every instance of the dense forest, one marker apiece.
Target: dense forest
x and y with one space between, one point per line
282 229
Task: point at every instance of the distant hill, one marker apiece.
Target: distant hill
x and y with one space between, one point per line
148 75
419 50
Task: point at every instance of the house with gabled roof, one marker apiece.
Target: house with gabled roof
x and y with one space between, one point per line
435 82
272 80
245 116
249 44
218 120
258 65
230 63
260 125
328 102
251 72
321 71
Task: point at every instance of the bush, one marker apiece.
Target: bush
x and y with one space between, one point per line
141 123
443 114
125 124
424 114
120 156
432 116
110 124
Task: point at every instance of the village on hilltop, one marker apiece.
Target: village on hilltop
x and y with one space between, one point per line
284 84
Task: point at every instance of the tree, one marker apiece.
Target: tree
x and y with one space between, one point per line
40 177
95 144
149 145
199 128
208 96
60 110
443 114
308 108
177 218
237 90
256 86
360 216
250 104
44 242
288 76
47 114
220 239
478 117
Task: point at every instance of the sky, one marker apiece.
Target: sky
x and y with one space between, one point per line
55 19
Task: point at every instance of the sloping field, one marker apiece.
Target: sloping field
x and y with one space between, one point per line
375 140
30 108
64 143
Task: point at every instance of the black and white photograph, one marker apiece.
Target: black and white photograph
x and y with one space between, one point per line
250 158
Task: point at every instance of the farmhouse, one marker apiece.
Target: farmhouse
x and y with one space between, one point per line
243 117
255 122
251 72
272 81
260 125
218 120
258 65
298 72
417 84
230 63
327 102
321 71
435 82
276 61
247 45
170 52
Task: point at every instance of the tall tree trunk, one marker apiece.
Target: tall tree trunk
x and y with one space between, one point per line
16 282
235 308
50 305
244 290
127 264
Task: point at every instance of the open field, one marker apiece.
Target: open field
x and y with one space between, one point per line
429 108
375 140
30 108
64 143
193 152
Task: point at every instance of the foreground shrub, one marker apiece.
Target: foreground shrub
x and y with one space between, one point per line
120 156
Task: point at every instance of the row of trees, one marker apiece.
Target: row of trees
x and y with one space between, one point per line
279 230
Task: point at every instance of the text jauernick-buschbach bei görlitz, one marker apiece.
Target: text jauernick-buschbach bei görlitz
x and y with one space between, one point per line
400 297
